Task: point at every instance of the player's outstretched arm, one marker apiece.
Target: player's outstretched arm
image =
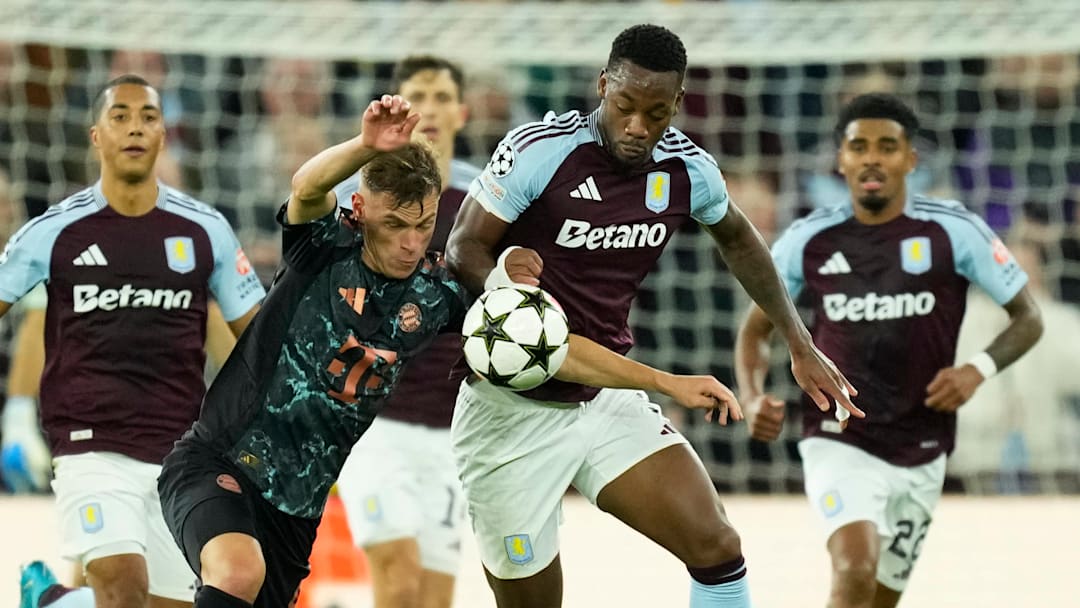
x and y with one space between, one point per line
953 386
594 365
748 258
752 350
386 125
24 457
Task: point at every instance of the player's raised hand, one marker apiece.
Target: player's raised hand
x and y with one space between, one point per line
524 265
818 376
766 414
704 392
387 123
952 387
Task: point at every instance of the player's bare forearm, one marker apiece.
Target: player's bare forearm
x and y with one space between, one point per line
752 353
1023 331
591 364
314 181
748 258
470 248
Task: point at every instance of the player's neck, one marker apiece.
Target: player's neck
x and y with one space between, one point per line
893 210
444 157
130 199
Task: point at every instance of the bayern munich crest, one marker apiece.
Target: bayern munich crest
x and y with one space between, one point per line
409 317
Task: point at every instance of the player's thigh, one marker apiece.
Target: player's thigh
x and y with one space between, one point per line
380 484
844 485
170 575
515 458
436 589
286 544
442 505
642 471
101 507
908 515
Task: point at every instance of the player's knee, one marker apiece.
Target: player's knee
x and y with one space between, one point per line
234 565
119 581
717 544
397 577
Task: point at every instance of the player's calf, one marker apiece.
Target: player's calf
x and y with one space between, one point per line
396 573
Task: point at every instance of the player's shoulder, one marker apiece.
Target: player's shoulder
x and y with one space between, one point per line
553 137
57 217
817 221
462 174
675 144
187 206
951 214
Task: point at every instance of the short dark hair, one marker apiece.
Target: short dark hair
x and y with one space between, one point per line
409 66
652 47
99 99
878 105
408 174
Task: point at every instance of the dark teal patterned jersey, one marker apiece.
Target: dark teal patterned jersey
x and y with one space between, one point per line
318 360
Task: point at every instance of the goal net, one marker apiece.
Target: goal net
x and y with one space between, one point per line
253 88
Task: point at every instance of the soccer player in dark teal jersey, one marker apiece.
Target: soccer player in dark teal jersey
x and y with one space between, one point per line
356 298
887 275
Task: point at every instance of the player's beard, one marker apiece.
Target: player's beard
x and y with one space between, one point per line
873 203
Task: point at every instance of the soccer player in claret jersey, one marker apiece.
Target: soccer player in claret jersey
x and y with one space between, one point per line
886 275
244 489
399 486
129 265
582 204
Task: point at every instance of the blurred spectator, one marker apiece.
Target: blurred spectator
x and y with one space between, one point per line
1020 427
756 196
294 124
495 101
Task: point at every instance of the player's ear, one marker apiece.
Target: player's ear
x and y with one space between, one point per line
358 206
601 83
94 136
463 116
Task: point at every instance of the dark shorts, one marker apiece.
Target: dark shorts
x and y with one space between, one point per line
204 496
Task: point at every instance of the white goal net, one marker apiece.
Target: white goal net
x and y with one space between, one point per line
253 88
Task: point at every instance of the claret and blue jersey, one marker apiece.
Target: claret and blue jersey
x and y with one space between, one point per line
888 301
598 226
126 319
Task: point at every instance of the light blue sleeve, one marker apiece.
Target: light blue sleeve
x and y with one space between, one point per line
233 281
981 257
345 190
25 260
709 198
515 177
787 254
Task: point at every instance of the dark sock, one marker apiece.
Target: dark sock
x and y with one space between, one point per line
720 574
212 597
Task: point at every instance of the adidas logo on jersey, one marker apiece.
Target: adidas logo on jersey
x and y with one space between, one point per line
88 298
874 307
587 190
836 264
577 233
91 256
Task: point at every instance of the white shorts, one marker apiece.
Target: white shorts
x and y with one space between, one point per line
108 505
400 482
517 457
845 485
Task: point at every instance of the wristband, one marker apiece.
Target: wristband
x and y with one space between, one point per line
498 277
20 409
984 363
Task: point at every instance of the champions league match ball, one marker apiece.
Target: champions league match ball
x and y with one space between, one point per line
516 337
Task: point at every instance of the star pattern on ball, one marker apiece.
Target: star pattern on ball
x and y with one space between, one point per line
541 353
533 299
492 330
494 377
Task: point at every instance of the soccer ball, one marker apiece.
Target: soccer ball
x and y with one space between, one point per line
516 337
